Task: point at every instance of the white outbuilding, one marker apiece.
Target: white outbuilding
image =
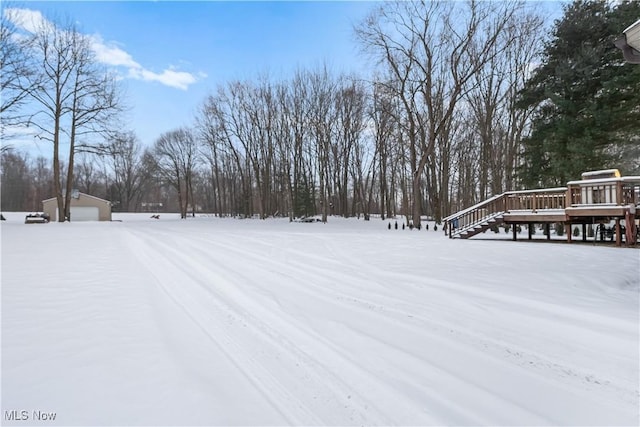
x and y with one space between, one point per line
84 207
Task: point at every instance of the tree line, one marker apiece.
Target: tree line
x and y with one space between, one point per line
452 114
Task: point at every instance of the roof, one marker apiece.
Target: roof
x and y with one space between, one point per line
632 33
629 43
614 173
82 194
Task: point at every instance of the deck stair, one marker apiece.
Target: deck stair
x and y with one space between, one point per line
480 227
504 208
598 198
478 218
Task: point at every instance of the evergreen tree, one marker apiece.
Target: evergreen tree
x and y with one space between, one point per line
303 201
588 98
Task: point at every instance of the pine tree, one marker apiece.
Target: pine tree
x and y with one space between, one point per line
303 201
588 97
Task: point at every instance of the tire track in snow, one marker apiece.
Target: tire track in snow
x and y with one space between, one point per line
447 337
530 312
570 377
323 287
204 318
502 349
410 412
296 377
465 414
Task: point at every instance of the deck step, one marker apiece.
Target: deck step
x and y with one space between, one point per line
479 227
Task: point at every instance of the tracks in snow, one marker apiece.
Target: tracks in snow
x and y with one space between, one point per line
295 383
299 357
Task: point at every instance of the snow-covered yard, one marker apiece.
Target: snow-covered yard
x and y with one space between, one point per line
245 322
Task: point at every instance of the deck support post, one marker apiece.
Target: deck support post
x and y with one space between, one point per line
584 232
530 230
547 228
630 224
618 236
569 232
515 235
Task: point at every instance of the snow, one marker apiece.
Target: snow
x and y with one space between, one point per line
211 321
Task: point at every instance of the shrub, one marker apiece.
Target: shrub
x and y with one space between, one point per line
507 227
559 229
576 232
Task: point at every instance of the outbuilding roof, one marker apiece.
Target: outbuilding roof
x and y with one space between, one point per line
83 194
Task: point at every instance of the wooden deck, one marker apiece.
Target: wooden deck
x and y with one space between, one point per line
589 201
537 217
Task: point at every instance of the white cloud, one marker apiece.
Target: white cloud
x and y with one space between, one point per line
111 54
28 20
108 53
169 77
16 135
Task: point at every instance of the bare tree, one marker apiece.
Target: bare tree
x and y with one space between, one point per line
24 182
75 97
321 119
294 144
17 76
41 178
222 126
348 149
15 181
88 177
211 132
389 151
176 154
128 175
499 125
256 109
288 132
432 50
55 50
94 105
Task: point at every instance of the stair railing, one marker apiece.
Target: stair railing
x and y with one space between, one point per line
532 200
468 218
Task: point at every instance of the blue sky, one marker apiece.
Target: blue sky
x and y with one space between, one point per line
172 54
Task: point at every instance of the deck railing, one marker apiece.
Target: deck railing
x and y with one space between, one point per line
616 192
534 200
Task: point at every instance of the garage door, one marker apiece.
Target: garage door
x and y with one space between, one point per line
84 213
